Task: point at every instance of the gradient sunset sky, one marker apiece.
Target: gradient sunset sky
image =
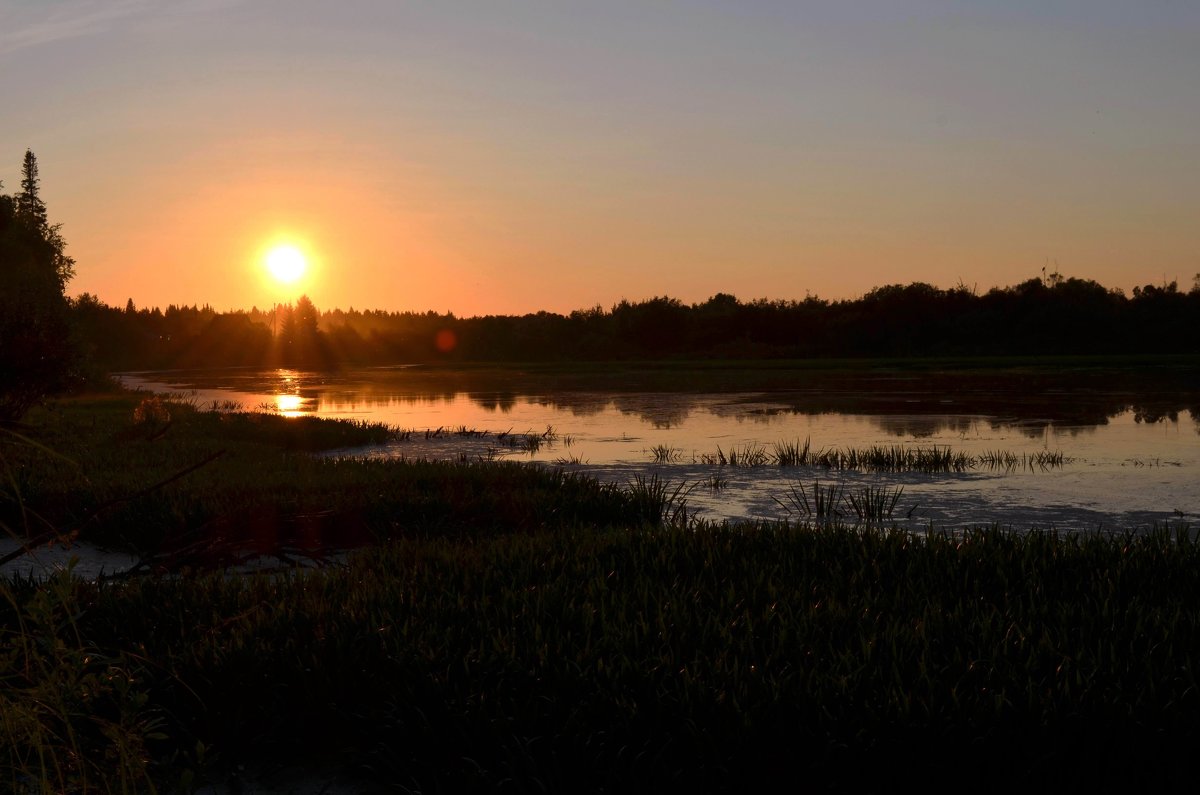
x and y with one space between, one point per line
505 157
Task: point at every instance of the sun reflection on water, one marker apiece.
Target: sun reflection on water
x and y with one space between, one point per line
289 405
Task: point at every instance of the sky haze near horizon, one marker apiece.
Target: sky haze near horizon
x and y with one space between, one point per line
503 158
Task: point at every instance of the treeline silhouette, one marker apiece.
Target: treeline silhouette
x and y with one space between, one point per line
1040 316
49 342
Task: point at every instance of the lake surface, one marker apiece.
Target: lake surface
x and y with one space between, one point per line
1132 445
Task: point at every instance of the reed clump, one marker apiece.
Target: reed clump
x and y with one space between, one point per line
715 482
825 502
658 501
665 454
873 503
835 501
1039 460
880 458
749 455
528 442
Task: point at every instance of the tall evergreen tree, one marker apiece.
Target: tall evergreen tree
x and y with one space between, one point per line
30 206
37 355
306 316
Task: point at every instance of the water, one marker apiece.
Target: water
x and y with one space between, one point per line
1132 444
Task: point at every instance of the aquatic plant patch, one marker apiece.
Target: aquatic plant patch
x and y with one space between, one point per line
880 458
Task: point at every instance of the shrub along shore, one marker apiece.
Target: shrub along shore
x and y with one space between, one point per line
506 627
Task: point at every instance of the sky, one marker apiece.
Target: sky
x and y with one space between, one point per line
495 157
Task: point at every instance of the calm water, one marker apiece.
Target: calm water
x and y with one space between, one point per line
1133 451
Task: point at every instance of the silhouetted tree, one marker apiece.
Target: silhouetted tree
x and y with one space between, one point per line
30 207
308 345
285 324
305 314
37 355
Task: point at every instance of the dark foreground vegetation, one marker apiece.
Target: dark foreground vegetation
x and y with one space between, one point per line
627 659
165 479
508 628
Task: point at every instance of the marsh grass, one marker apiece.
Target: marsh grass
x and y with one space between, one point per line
880 458
792 454
529 442
1040 460
664 454
749 455
825 502
73 717
659 501
715 482
570 460
708 657
873 503
834 501
528 629
248 481
894 458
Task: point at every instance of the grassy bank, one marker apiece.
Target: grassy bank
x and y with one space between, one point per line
630 659
510 628
152 477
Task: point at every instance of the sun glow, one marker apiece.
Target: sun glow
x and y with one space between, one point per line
289 405
286 263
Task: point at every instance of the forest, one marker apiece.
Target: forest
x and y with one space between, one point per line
1049 315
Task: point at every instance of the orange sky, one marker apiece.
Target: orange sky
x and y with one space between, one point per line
557 156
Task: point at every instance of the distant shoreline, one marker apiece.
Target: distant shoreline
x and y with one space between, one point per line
1073 318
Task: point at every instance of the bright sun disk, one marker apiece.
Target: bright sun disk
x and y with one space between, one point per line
286 263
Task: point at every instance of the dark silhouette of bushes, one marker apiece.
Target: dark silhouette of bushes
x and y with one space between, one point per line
1051 316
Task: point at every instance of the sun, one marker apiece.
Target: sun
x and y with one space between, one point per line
286 263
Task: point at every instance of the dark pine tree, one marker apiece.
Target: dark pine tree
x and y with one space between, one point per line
30 207
37 354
